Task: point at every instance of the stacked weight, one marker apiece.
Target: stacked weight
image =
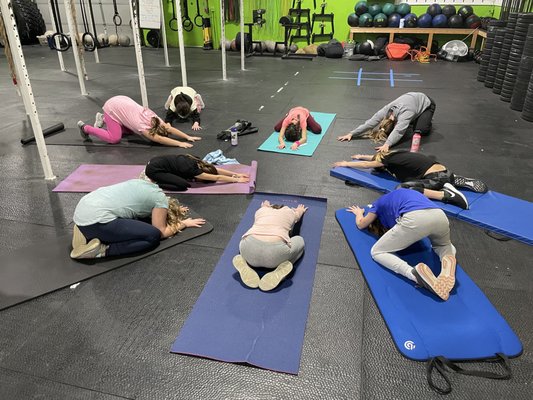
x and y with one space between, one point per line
504 55
515 56
499 35
524 73
487 49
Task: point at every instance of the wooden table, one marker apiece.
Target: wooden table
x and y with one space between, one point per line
423 31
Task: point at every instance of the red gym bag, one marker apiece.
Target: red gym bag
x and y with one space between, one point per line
397 51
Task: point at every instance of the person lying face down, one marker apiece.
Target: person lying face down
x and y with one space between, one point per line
390 123
123 115
184 103
109 220
273 242
175 172
293 127
401 218
419 172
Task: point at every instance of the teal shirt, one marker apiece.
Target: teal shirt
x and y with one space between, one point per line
132 199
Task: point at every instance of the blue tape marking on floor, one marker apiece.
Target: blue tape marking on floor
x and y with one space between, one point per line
233 323
313 140
359 76
391 78
403 80
484 210
466 327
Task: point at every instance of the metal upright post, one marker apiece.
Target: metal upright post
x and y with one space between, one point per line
138 52
25 85
78 58
223 40
183 66
242 34
164 34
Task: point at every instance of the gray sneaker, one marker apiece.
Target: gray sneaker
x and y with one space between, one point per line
93 249
99 120
248 275
469 183
272 279
81 125
454 196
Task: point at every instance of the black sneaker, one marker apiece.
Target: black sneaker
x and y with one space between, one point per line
85 136
468 183
454 196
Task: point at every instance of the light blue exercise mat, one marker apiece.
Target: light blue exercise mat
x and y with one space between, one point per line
313 140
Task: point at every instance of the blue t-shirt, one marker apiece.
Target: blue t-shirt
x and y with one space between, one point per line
132 199
393 205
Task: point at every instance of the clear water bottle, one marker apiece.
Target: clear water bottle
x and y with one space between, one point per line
415 143
402 22
234 136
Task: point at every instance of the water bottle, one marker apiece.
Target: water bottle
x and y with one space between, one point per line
234 136
402 22
415 143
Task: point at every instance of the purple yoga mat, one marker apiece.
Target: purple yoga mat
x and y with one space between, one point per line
89 177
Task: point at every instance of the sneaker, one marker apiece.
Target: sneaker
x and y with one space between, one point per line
93 249
447 272
77 238
272 279
99 120
248 275
81 125
425 278
468 183
454 196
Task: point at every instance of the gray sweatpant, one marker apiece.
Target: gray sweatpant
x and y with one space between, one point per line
410 228
269 255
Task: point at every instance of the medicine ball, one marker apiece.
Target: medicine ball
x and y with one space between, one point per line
411 20
473 22
366 20
293 48
124 40
103 39
439 21
361 8
449 10
353 20
388 9
381 21
424 21
366 48
455 21
374 9
270 45
394 20
465 11
403 9
113 40
434 9
247 42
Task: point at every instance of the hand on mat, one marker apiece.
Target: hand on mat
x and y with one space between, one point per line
341 164
184 145
281 146
265 203
356 210
194 138
345 138
301 209
193 223
383 148
196 126
294 146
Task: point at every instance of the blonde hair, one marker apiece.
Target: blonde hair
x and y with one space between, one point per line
380 155
175 212
156 128
381 132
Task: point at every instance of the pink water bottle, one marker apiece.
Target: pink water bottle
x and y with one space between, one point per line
415 144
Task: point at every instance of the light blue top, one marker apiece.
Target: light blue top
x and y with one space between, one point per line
132 199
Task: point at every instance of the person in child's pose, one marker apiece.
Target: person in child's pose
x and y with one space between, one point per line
122 115
182 104
293 127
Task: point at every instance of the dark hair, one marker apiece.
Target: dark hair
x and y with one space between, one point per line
377 228
293 132
206 167
277 206
183 107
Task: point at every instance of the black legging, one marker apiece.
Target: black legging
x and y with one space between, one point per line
166 180
432 181
422 124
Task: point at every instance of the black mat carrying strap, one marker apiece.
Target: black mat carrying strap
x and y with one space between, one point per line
440 363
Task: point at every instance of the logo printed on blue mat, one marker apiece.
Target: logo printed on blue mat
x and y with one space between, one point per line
409 345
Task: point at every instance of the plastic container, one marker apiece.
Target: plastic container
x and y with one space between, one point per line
402 23
234 136
415 143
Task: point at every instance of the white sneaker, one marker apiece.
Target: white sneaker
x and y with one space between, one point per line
273 279
99 120
248 275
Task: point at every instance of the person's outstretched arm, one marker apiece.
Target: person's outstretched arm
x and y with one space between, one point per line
280 138
299 211
195 116
301 141
176 132
166 141
402 123
159 220
225 172
362 221
369 124
358 164
234 178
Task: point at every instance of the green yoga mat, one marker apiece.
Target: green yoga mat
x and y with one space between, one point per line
313 140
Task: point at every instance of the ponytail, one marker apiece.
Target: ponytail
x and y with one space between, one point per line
156 128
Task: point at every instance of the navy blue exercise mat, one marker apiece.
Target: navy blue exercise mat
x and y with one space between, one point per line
494 211
466 327
233 323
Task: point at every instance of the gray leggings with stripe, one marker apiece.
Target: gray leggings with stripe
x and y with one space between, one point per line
270 254
410 228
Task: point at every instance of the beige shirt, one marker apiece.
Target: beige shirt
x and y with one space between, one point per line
181 89
273 222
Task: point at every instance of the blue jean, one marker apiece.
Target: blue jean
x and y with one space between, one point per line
124 236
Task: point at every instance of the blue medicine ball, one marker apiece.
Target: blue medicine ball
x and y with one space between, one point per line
424 21
411 20
394 20
440 21
434 9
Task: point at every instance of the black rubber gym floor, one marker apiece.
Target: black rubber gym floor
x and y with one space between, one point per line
109 338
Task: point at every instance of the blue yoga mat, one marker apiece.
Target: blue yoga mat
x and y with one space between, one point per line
466 327
313 140
233 323
494 211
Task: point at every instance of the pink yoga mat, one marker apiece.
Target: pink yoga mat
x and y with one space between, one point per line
89 177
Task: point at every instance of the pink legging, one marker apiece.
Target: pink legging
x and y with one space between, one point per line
112 134
312 125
